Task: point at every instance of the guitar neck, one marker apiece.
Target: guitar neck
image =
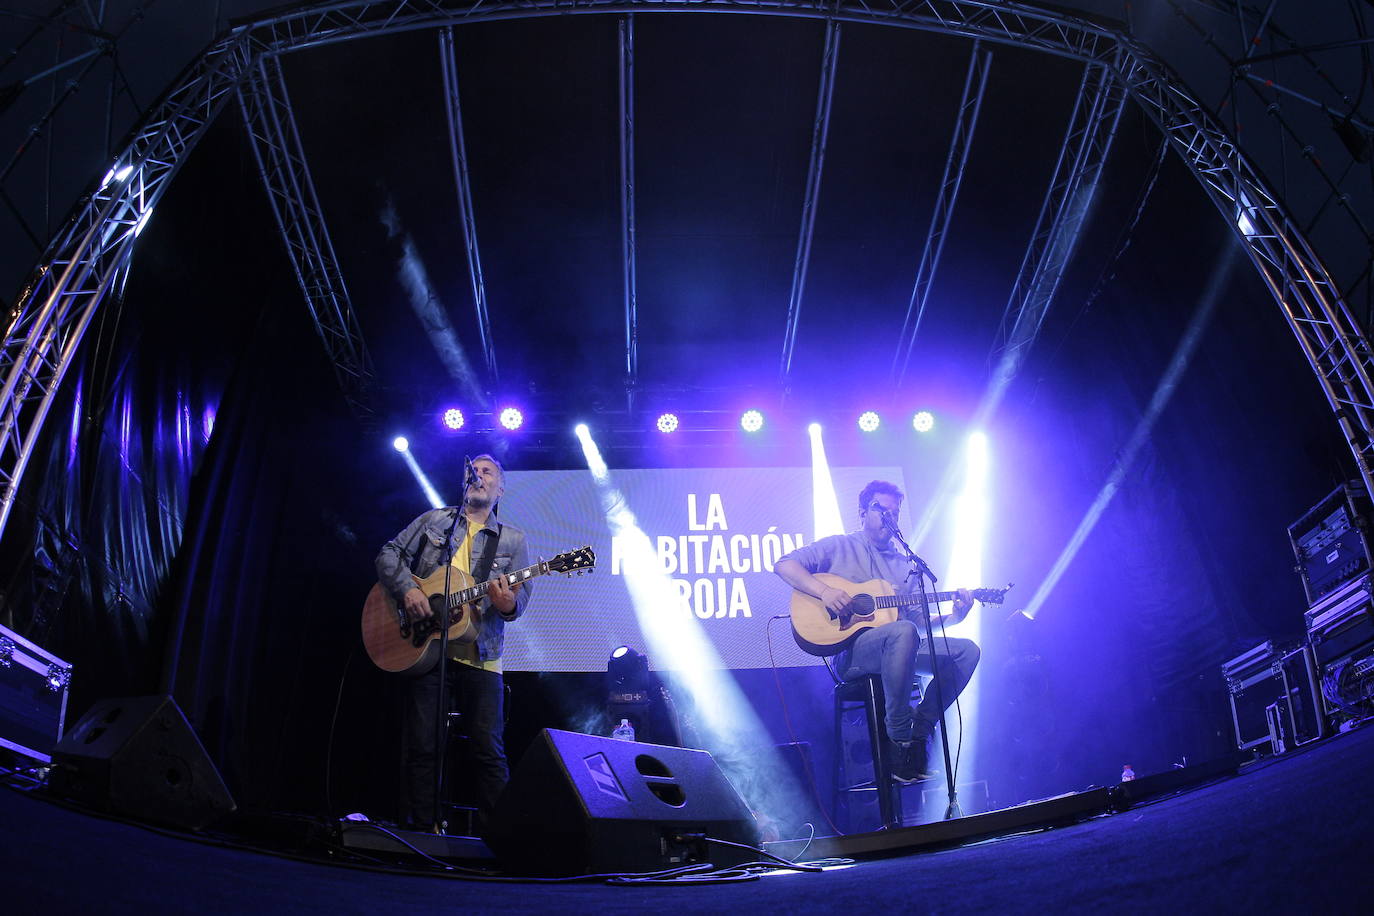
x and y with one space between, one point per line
473 593
908 600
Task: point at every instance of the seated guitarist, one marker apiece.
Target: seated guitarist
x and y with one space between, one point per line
483 547
893 651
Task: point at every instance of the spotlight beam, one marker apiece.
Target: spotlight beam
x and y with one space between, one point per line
421 478
1164 390
678 643
824 504
427 303
965 570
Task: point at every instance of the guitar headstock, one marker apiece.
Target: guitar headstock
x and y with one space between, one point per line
992 595
574 561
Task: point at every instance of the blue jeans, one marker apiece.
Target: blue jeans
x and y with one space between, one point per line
895 653
478 697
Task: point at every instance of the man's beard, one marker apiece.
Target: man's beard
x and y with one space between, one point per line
480 500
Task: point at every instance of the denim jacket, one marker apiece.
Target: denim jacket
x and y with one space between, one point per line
419 550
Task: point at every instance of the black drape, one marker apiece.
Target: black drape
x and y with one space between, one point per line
187 524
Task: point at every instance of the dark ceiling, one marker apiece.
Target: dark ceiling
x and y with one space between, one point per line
724 107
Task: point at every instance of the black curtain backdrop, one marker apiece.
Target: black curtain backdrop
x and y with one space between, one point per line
184 527
270 577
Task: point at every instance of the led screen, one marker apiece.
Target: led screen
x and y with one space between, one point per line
715 533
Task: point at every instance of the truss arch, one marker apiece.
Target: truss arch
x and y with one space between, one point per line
70 282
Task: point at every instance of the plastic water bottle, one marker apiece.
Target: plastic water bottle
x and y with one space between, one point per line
1127 774
624 731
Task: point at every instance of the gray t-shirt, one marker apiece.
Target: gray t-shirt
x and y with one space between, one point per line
854 557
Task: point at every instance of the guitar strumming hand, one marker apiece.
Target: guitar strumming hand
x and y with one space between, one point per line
834 599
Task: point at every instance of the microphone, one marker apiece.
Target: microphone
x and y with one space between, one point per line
889 522
470 475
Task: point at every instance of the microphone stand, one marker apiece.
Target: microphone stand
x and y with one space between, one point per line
441 701
922 572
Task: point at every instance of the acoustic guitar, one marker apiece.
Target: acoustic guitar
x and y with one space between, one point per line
398 644
820 631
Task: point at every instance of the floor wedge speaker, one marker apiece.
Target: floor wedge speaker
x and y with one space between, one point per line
138 756
581 804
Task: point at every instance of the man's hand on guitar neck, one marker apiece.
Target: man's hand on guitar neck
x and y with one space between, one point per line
502 596
963 603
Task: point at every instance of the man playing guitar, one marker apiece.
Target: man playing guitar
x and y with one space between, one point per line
894 650
473 540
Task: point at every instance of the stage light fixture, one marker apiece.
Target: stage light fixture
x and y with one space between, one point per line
868 421
1243 222
454 419
751 421
116 175
400 444
923 421
512 418
627 676
667 422
813 428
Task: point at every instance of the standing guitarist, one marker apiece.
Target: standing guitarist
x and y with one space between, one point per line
893 651
475 542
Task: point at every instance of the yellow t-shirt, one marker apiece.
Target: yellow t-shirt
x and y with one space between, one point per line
466 653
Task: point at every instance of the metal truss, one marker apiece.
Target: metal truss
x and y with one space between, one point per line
82 260
1255 27
286 175
627 206
64 17
1092 126
1334 342
459 151
975 84
820 130
85 258
1009 23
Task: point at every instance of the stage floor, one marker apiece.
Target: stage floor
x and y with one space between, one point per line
1287 835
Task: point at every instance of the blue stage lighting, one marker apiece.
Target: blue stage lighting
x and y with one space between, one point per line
667 422
400 443
868 421
923 421
512 418
751 421
454 419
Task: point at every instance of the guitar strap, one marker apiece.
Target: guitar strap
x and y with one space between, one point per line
488 555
